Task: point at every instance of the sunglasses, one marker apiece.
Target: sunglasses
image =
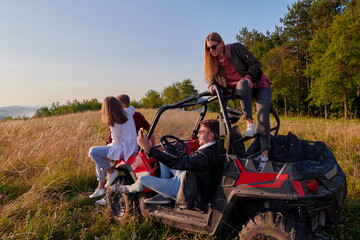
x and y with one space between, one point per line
213 47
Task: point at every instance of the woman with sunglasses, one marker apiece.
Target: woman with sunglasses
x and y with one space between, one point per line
233 67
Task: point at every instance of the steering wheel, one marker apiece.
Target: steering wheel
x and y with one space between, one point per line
177 149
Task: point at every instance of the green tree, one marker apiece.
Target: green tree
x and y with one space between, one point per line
152 99
70 107
187 89
322 12
298 31
136 104
336 66
279 69
301 23
178 91
257 43
171 94
42 112
277 38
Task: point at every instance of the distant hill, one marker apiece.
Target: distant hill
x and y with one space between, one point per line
18 111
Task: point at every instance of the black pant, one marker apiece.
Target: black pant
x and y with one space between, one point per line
262 99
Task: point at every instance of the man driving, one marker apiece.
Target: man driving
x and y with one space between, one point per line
190 188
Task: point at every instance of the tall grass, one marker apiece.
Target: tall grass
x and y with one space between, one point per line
46 176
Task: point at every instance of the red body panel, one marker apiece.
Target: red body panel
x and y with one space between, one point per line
298 187
193 145
140 163
259 180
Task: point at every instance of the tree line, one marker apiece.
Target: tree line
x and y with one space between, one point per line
170 94
70 107
153 99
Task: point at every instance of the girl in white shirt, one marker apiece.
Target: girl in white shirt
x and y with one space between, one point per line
123 133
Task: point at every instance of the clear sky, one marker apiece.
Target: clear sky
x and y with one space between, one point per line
54 51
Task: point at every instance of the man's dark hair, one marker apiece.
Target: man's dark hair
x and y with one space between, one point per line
124 99
212 125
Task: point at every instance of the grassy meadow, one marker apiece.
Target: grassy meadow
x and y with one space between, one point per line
46 177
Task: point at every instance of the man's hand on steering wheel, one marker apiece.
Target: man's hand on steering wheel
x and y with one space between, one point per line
177 148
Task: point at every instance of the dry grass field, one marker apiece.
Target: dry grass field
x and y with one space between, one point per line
46 176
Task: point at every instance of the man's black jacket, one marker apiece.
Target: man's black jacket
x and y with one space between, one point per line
197 183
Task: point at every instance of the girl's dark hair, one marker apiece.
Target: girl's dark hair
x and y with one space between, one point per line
112 112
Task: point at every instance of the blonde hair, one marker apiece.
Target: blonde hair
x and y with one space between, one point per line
210 64
112 112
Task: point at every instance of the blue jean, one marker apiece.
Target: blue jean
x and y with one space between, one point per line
165 171
166 187
262 99
99 155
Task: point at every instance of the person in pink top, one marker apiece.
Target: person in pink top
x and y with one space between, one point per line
233 67
123 145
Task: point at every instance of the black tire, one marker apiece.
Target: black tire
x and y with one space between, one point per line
121 205
142 206
275 226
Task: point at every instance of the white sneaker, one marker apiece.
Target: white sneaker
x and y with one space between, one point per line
101 202
98 192
111 178
250 131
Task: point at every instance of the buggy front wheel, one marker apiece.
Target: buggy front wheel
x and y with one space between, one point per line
121 205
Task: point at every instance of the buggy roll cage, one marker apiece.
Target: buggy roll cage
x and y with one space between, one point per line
199 100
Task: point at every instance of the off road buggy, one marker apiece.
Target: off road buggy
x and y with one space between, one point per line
293 197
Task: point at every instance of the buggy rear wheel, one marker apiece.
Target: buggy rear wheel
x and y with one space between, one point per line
275 226
121 205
